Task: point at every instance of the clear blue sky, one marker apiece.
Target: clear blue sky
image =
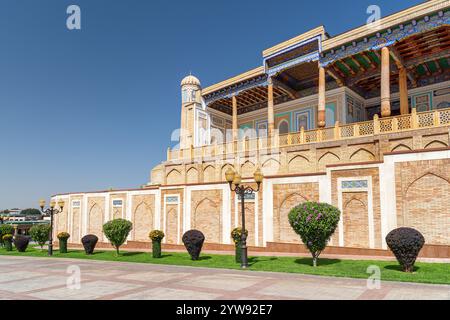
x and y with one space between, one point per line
92 109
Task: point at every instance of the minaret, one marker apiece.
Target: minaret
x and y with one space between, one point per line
191 98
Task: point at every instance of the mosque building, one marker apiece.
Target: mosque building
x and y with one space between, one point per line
360 120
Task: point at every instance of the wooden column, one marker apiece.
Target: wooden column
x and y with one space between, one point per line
321 121
385 83
270 115
235 121
403 84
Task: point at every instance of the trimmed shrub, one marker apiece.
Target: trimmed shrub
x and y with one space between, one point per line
40 233
7 237
236 235
7 240
21 243
193 241
315 223
156 236
117 231
406 244
63 237
5 229
89 242
156 249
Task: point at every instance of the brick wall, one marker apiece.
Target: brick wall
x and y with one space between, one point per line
249 221
206 214
356 222
360 236
117 212
61 221
423 197
169 223
142 216
95 214
76 228
286 197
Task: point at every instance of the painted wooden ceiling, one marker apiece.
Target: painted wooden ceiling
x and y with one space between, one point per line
425 57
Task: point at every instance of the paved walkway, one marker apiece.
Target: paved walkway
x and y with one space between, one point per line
43 278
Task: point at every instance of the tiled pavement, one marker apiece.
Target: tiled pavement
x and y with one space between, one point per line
42 278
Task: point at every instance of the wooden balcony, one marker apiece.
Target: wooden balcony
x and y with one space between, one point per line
377 126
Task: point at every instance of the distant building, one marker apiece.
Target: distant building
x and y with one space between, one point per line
21 223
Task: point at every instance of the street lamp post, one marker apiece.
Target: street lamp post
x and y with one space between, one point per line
51 211
234 179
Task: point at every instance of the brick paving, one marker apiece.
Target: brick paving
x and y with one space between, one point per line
43 278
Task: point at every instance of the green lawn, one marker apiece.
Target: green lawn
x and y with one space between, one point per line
438 273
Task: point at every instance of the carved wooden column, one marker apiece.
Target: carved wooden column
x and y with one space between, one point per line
385 83
321 121
270 115
235 121
403 84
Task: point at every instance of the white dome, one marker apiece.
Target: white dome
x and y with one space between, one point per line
190 80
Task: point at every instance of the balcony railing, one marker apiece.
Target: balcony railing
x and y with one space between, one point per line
412 121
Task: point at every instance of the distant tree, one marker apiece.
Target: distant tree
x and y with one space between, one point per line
30 212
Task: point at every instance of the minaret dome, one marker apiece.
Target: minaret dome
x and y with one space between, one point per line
190 80
190 90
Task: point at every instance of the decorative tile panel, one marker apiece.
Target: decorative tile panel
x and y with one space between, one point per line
248 197
117 203
172 199
76 204
354 184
